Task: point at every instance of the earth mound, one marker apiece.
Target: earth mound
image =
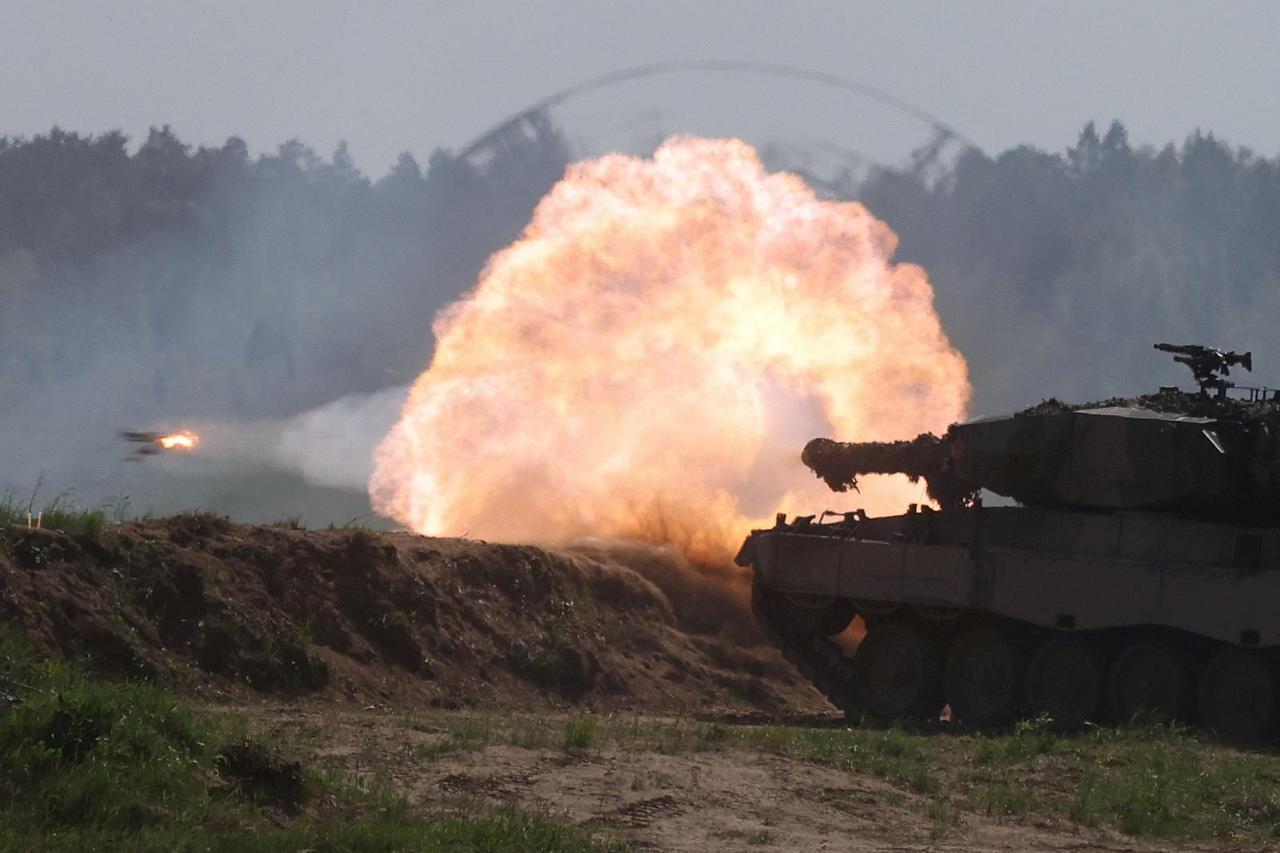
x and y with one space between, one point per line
233 610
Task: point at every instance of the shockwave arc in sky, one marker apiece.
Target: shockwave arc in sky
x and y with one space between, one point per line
648 358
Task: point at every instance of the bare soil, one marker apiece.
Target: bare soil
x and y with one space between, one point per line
231 611
320 636
670 800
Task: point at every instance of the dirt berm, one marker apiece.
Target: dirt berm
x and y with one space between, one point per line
231 610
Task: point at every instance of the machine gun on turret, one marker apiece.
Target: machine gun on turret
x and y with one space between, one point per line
1206 363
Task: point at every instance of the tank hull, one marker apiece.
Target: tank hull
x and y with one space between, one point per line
1046 567
1127 601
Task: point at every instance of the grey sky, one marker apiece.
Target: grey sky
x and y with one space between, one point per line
391 76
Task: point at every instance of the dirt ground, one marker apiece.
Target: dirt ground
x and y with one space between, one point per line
394 657
656 798
231 611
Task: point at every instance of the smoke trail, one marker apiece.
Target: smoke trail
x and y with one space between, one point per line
332 445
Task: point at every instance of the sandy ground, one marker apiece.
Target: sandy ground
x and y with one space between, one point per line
695 801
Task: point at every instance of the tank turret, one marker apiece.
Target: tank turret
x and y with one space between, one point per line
1201 454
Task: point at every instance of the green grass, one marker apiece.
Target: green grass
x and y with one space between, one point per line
61 513
1170 784
1160 782
476 831
93 765
580 733
114 757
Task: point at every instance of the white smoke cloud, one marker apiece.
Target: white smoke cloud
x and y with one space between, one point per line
330 446
333 445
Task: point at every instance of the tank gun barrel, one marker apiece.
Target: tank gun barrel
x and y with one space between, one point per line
839 464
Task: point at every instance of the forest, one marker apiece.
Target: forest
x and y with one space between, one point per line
216 283
1056 271
145 282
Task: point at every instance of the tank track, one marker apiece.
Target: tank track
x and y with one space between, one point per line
822 663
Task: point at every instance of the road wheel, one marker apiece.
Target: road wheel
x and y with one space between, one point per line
1063 681
1237 695
897 672
981 677
836 617
797 615
1146 682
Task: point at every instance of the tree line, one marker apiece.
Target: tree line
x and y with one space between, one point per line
202 280
1055 272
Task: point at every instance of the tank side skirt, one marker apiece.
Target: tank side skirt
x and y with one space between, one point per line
1051 591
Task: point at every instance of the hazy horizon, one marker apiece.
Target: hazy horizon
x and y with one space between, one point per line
410 76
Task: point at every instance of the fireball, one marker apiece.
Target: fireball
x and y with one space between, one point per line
184 440
648 358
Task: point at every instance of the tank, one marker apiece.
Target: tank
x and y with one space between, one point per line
1132 569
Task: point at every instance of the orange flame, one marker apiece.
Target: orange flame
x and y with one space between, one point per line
648 359
184 440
